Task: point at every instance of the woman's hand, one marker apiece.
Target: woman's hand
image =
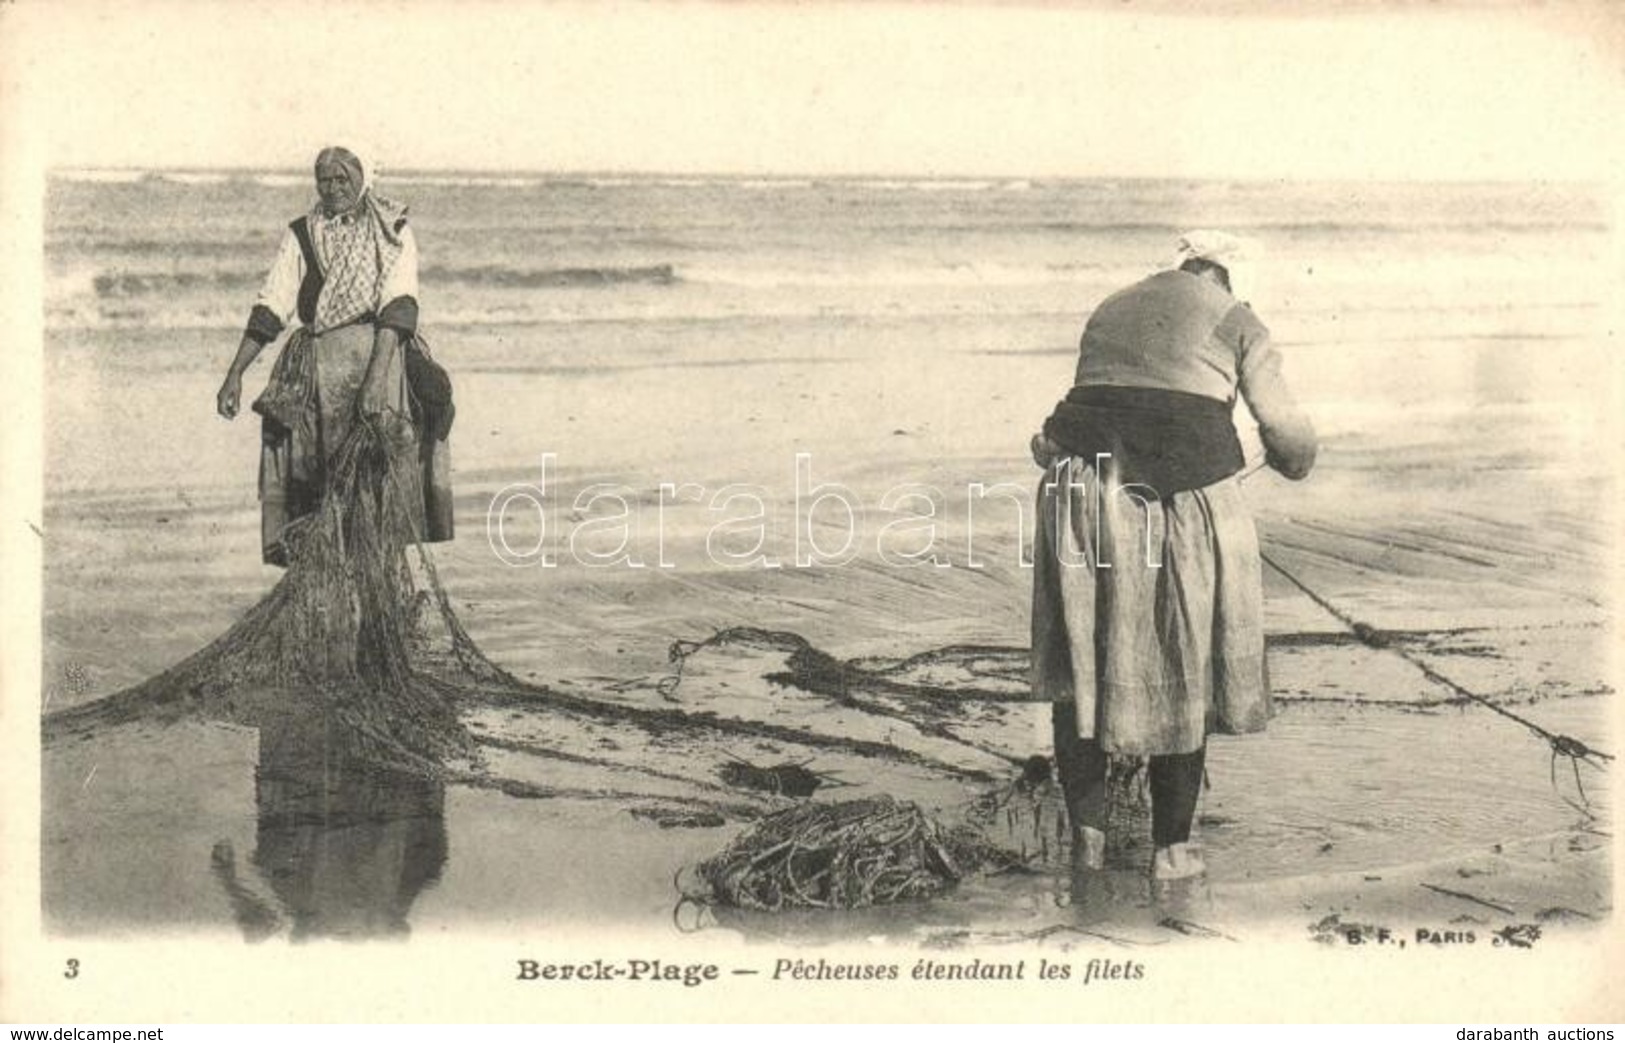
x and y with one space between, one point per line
374 398
1044 451
231 389
230 394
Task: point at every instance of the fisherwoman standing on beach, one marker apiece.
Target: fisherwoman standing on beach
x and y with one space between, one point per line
1147 590
349 271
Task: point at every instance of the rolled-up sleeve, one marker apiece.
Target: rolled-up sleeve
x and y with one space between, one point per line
399 292
1285 429
279 295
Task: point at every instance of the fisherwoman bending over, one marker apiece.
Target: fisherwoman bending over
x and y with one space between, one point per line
349 271
1147 590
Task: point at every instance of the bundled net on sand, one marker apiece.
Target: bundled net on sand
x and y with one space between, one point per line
878 850
1027 818
338 636
845 855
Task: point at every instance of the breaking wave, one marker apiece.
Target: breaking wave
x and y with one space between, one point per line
546 278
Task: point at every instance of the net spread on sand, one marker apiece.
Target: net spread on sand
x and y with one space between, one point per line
339 635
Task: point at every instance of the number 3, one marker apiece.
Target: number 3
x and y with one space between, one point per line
73 969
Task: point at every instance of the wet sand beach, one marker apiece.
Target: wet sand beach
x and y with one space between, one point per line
659 379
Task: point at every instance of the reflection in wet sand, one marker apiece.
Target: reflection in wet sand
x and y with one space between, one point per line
342 849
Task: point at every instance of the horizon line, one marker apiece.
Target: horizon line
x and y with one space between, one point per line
566 174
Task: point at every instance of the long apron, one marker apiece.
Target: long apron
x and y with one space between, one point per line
293 460
1148 612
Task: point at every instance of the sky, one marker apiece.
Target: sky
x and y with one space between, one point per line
1389 91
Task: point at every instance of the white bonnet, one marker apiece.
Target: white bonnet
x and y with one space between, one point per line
1237 255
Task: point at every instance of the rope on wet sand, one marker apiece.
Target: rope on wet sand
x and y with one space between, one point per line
1561 745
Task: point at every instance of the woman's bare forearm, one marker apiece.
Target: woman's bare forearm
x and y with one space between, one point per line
247 352
384 341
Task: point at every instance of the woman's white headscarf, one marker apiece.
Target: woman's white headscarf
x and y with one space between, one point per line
356 258
1237 255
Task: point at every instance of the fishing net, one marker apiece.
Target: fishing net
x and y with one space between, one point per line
844 855
1022 814
877 850
1027 817
930 689
863 853
342 636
